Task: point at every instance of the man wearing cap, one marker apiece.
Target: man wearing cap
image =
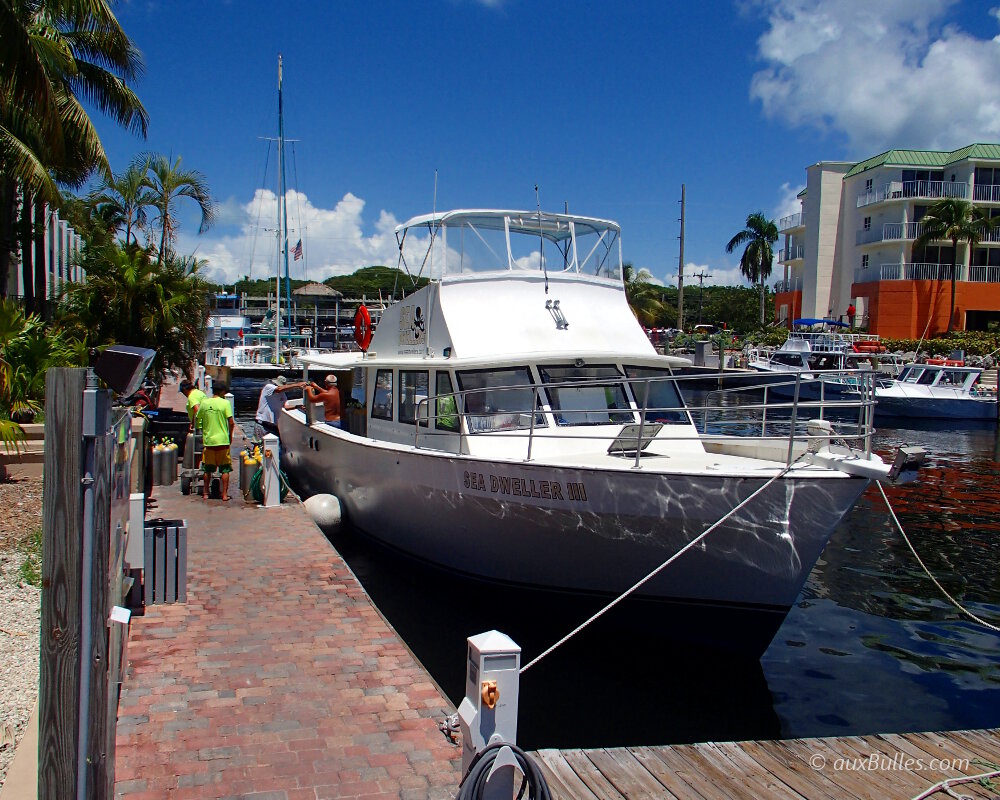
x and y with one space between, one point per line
194 397
329 396
272 400
215 419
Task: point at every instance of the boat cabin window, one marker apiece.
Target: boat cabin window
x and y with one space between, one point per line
498 399
927 377
382 403
788 359
446 409
412 393
592 397
824 362
664 403
358 384
951 378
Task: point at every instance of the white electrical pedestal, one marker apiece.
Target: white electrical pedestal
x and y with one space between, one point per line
271 476
488 714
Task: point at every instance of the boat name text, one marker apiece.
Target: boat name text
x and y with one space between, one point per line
524 487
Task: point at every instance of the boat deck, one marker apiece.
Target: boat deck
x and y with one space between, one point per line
885 767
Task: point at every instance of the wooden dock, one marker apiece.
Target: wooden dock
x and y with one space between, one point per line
852 767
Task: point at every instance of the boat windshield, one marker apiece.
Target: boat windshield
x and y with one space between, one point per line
464 242
498 399
664 403
788 359
590 395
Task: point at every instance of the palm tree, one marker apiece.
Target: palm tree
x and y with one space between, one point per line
56 53
122 200
758 255
959 221
644 297
130 299
168 182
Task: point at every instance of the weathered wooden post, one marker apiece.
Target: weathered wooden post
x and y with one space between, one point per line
86 491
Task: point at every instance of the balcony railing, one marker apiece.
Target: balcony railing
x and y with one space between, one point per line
791 221
986 193
890 232
902 190
926 272
791 253
791 285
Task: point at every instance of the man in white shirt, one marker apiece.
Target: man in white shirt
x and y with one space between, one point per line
272 400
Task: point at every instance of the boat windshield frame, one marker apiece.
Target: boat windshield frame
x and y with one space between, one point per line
488 241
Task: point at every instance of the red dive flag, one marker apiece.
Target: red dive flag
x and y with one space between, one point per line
297 252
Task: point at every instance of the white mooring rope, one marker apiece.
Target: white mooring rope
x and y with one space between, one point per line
937 583
656 571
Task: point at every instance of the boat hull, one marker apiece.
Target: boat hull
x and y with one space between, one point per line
934 407
571 529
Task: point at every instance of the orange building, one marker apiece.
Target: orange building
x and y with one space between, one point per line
852 244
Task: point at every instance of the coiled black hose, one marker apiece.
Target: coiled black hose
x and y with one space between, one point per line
474 783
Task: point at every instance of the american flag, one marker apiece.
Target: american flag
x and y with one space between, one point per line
297 251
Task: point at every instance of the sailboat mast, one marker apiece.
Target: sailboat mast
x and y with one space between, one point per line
277 271
283 211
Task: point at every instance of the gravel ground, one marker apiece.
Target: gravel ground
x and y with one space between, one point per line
20 603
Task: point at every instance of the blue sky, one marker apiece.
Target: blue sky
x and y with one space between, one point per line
609 107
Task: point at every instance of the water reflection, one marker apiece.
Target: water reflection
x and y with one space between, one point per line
872 637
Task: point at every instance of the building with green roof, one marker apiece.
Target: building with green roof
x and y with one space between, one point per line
851 246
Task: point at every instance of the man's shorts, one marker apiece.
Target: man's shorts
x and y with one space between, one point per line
217 456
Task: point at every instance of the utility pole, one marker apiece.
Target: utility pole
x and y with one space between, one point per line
701 290
680 269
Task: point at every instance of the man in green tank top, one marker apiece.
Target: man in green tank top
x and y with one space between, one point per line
194 397
215 419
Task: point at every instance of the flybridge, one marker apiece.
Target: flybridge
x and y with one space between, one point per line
468 241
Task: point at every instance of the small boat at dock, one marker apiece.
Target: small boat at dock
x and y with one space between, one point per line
938 389
512 422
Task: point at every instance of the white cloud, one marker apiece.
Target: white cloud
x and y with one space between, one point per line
895 73
335 241
789 202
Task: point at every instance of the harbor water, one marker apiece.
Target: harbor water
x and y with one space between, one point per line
870 646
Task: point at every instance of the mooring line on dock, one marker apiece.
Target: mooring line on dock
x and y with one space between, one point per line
655 572
946 784
937 583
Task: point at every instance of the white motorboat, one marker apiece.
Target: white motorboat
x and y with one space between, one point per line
936 390
517 426
832 361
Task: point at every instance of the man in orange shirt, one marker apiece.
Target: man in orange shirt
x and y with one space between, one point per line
329 396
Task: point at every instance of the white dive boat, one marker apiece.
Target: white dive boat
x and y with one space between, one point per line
936 391
837 360
517 426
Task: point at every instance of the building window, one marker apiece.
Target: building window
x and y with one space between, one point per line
868 223
868 185
864 261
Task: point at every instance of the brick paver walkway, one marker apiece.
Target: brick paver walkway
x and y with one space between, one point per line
278 679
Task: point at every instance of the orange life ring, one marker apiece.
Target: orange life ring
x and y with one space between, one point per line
951 362
362 327
937 362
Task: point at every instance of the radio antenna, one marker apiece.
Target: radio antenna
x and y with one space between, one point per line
541 241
